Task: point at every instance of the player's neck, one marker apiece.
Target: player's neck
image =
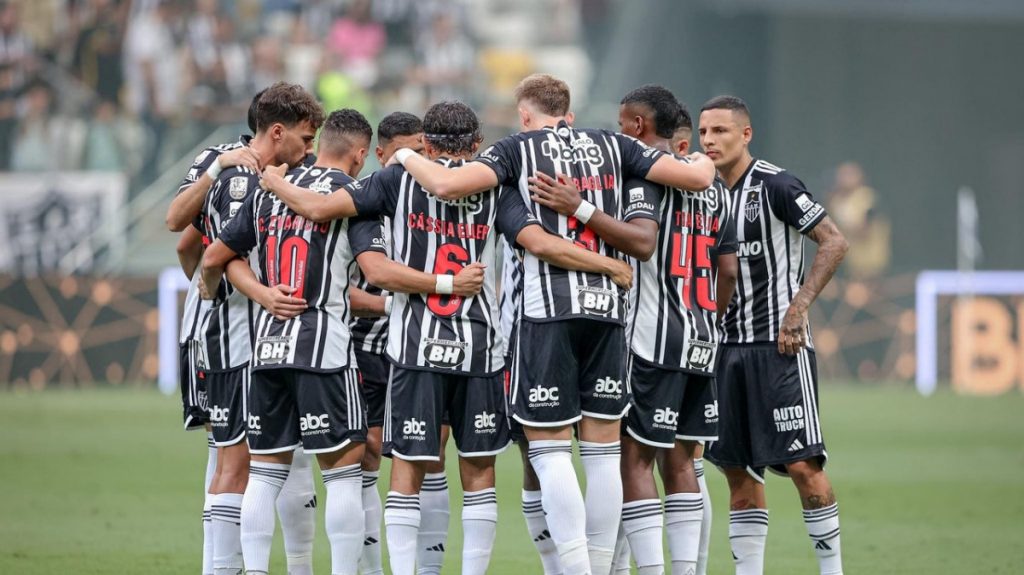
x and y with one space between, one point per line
262 145
733 172
663 144
334 162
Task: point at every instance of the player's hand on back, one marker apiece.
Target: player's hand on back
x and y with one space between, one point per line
244 156
557 193
470 280
622 274
792 334
281 303
273 176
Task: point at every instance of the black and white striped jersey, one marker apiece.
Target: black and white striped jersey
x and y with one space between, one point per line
443 333
599 162
196 307
370 334
226 333
511 292
316 259
773 210
673 318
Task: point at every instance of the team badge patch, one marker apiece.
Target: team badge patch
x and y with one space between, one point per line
752 206
237 187
595 300
700 354
272 350
444 353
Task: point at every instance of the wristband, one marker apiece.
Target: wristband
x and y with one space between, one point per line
444 284
214 170
388 301
585 211
403 154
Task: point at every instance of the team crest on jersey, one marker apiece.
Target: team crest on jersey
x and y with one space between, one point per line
444 353
595 300
752 205
321 187
237 187
272 350
700 354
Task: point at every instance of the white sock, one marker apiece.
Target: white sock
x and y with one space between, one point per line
641 520
211 469
823 527
343 517
683 515
748 530
265 482
296 507
705 524
537 526
563 502
434 514
479 525
620 566
225 512
603 501
402 521
370 562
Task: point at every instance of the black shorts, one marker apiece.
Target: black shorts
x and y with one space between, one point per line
289 408
193 387
516 432
566 369
227 392
768 404
417 402
669 404
374 370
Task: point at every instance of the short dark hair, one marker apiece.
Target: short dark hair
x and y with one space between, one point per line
340 126
663 105
727 102
451 127
288 104
398 124
549 94
251 116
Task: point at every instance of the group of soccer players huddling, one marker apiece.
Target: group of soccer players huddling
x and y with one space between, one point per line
651 301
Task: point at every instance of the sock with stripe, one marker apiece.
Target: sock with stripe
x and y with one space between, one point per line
705 524
620 566
211 470
225 513
823 527
641 520
537 526
683 515
265 483
343 517
402 521
603 501
748 530
370 563
296 507
434 515
479 525
563 502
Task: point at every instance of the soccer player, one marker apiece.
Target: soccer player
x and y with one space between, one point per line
570 354
457 362
767 377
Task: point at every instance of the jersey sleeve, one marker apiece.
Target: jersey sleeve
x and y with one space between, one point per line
726 242
377 194
239 234
199 165
366 234
236 186
504 158
513 215
793 204
641 199
637 157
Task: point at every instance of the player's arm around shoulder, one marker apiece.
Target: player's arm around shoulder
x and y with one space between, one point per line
447 183
696 175
567 255
205 170
306 202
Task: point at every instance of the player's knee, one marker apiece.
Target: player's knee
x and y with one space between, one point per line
804 472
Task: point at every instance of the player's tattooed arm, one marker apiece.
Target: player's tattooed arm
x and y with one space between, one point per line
696 175
186 205
365 304
190 250
567 255
307 203
280 300
832 248
728 271
215 260
447 183
636 238
395 277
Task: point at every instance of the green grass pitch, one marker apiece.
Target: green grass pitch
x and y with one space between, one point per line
105 481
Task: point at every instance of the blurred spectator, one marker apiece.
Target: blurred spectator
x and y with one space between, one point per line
109 141
43 140
15 47
854 207
98 57
357 41
8 113
447 58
